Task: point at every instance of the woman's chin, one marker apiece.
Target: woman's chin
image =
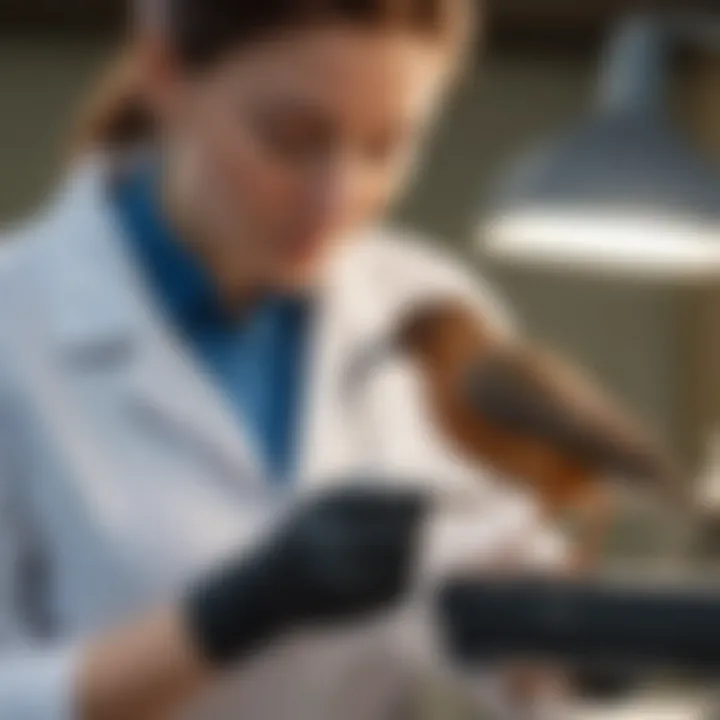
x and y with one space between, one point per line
303 252
302 265
298 275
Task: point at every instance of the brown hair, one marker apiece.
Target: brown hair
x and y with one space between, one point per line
202 31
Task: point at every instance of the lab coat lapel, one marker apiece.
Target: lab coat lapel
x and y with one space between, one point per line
371 432
105 316
169 394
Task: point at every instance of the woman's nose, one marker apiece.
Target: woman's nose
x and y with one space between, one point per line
341 188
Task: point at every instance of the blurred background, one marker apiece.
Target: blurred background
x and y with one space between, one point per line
568 76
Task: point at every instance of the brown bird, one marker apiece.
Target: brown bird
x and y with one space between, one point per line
524 412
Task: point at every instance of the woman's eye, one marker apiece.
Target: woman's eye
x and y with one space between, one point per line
303 137
293 140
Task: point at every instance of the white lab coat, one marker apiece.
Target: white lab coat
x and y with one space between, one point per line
124 475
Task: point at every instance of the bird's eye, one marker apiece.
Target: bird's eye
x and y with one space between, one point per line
423 328
419 332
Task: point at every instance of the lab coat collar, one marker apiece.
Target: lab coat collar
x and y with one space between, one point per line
94 291
106 322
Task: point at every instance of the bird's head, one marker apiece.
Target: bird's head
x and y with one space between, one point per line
438 335
444 330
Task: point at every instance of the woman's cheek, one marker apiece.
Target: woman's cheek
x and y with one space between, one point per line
240 183
386 185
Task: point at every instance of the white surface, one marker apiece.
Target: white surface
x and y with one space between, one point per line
656 707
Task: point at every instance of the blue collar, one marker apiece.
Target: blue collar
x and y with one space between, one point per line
258 360
179 279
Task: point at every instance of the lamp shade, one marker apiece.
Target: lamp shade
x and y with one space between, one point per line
626 191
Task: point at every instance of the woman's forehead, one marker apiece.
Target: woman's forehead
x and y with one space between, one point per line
343 67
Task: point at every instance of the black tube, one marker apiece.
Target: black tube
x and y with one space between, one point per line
582 624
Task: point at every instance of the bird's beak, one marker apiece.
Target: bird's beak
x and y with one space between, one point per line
366 361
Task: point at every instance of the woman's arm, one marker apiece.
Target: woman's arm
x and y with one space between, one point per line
146 670
136 672
343 556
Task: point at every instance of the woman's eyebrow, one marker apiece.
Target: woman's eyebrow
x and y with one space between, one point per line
293 105
295 112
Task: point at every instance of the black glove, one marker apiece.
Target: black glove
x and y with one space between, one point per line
345 555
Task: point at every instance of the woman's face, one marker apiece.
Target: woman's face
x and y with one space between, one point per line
281 151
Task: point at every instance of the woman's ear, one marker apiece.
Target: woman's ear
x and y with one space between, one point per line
115 113
159 76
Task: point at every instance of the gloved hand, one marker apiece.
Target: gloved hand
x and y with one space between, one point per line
345 555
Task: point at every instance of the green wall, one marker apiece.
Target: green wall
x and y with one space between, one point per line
42 78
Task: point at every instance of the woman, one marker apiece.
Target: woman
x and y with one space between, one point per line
175 330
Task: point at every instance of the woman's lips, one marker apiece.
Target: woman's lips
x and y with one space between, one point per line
298 247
